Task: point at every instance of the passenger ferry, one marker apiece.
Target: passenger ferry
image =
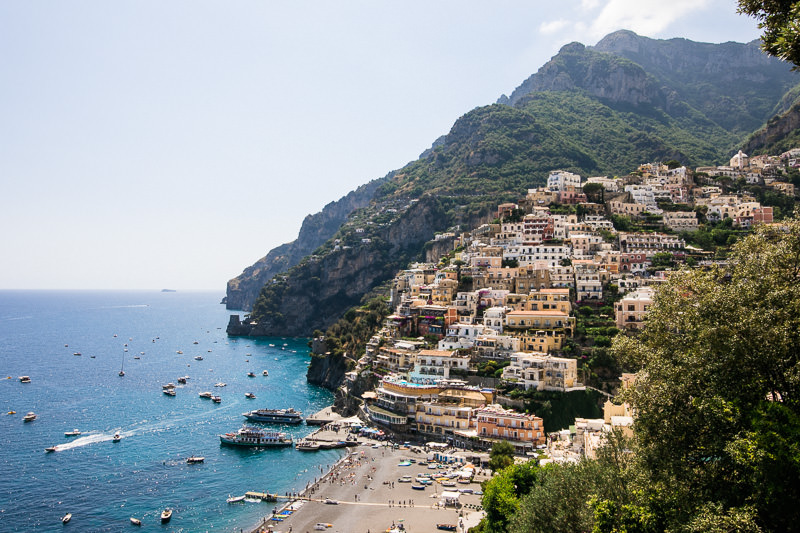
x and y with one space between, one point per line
275 416
251 436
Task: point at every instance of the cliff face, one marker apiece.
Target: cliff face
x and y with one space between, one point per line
243 290
316 292
780 134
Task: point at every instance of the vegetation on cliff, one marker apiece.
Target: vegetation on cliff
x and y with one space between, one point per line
717 403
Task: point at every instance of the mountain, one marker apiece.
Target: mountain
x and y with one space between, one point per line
592 110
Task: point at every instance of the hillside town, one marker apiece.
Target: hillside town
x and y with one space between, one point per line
515 294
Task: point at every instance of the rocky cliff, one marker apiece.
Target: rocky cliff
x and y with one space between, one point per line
243 290
316 292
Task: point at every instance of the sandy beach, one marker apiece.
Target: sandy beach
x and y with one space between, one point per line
369 498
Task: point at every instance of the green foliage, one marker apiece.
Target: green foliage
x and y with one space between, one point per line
501 456
718 394
560 409
780 22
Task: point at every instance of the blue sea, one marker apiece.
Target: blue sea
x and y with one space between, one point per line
103 483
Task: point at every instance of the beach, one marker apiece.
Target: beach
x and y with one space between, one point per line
363 494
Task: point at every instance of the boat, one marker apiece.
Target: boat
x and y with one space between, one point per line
205 395
73 433
30 417
76 353
446 527
198 358
265 373
50 449
194 460
235 499
11 413
182 380
418 487
307 446
179 352
275 416
250 395
252 436
24 379
116 438
166 514
251 375
169 392
220 384
216 399
66 518
135 522
169 385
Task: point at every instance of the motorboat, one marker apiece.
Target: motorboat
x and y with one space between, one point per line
195 459
216 399
169 385
30 417
220 384
198 358
50 449
24 379
250 395
135 522
73 433
205 395
166 514
116 438
182 380
235 499
275 416
169 392
307 446
76 353
66 518
251 375
265 373
256 437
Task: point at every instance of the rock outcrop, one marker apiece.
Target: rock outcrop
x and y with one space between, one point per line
243 290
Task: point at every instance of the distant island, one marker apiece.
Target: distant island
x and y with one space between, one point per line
168 290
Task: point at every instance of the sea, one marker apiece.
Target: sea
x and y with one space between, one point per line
73 345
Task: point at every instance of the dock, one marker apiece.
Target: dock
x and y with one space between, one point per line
263 496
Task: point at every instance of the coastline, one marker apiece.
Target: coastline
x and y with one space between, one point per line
364 484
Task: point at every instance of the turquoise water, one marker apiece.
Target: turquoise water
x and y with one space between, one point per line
102 483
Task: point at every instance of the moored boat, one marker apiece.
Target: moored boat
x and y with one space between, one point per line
275 416
205 395
216 399
235 499
195 459
169 392
135 522
307 446
166 514
256 437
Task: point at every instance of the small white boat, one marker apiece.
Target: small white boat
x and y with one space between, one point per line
205 395
198 358
73 433
250 395
216 399
24 379
135 522
66 518
194 460
265 373
117 437
235 499
220 384
251 375
50 449
169 392
30 417
166 514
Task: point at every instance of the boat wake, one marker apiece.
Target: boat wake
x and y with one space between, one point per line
84 441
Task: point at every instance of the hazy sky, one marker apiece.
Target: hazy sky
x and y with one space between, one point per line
152 144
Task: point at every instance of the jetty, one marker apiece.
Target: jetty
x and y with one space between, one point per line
263 496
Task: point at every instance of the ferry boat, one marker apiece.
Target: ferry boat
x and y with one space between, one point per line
252 436
275 416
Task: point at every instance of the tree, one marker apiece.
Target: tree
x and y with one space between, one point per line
780 21
594 192
501 455
718 390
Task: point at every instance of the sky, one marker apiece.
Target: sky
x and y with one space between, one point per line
148 144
